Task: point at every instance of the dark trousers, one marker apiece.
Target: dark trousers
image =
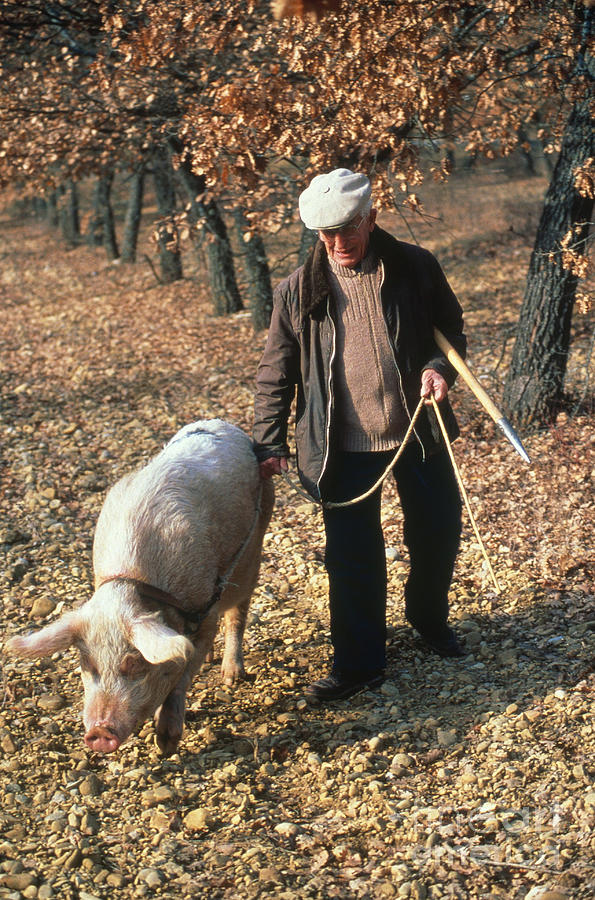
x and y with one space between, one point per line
355 554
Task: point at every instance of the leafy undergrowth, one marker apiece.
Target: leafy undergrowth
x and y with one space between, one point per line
458 778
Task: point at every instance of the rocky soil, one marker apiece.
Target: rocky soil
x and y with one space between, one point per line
458 778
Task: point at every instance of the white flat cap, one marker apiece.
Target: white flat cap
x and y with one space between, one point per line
333 199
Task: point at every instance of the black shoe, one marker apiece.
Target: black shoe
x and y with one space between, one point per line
445 644
339 687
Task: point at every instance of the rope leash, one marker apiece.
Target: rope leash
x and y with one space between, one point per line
327 504
464 493
330 505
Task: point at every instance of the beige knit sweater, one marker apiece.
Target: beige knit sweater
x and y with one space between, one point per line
368 409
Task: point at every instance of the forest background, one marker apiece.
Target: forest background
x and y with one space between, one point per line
471 780
231 112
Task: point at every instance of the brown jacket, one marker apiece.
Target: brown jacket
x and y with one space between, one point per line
299 353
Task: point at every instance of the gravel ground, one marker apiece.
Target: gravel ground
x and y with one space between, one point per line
457 778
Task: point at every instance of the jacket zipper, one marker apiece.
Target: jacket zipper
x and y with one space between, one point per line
392 347
327 430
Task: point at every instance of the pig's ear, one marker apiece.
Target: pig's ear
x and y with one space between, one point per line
157 642
57 636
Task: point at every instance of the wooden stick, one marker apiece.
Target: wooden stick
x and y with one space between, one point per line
472 382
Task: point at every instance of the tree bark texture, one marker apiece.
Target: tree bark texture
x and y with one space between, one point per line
69 213
133 215
169 252
220 262
94 232
53 217
106 214
40 207
222 277
256 270
533 390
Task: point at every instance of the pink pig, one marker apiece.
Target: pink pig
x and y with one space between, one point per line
177 544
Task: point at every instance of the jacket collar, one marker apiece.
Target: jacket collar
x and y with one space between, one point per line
315 285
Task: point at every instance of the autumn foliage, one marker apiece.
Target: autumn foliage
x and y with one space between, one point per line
248 99
365 84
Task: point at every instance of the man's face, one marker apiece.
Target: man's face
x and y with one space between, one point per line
348 245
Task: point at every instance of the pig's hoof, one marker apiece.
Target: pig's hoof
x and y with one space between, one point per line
169 725
232 674
168 742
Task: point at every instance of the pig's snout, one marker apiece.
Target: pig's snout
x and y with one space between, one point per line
102 739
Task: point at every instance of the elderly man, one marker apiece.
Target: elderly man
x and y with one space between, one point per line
352 331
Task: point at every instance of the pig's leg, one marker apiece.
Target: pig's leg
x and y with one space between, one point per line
232 665
239 593
169 718
210 655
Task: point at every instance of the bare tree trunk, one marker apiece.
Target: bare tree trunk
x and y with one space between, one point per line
133 215
69 213
534 385
40 207
94 232
169 251
52 209
256 269
220 262
106 214
527 151
222 278
448 131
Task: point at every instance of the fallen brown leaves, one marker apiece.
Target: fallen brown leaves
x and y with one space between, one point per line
457 778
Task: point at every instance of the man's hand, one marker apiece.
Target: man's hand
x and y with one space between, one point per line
433 385
274 465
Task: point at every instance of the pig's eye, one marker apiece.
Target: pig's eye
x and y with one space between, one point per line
133 666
